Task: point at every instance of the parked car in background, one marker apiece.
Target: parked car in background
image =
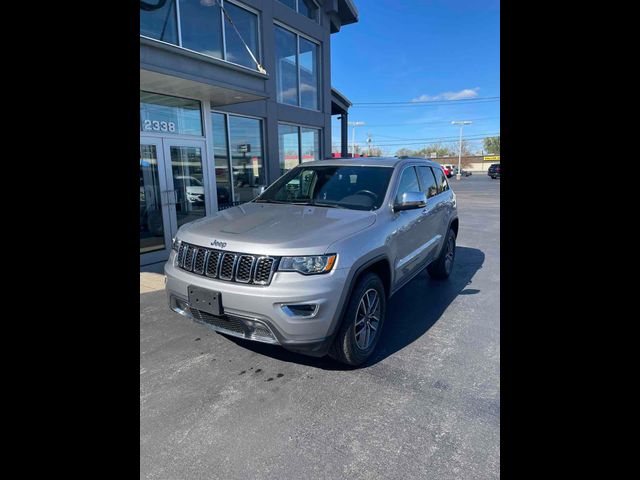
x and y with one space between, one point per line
448 171
463 172
311 263
494 170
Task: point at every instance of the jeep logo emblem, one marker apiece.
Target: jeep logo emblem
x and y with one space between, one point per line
216 243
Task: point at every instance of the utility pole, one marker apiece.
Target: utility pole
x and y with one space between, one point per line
462 123
369 142
353 138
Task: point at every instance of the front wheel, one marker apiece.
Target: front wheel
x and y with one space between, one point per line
360 329
441 267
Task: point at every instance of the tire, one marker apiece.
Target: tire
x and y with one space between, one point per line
352 346
441 267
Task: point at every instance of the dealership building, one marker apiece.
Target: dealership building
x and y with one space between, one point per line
233 93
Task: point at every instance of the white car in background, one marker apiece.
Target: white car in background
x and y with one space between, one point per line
192 187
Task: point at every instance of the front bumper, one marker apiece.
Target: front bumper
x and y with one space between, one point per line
256 312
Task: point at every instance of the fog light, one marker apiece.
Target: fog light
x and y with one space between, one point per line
302 310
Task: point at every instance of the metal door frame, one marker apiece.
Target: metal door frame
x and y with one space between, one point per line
167 143
159 255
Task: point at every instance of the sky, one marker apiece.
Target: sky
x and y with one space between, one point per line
444 52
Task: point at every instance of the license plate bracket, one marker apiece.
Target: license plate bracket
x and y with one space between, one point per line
205 300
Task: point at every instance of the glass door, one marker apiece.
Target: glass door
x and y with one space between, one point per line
155 231
186 178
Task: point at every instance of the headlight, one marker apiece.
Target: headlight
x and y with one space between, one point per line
307 265
175 244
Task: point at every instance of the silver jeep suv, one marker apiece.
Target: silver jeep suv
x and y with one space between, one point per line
311 263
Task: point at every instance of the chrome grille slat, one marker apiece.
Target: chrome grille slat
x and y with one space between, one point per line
198 263
244 271
213 262
264 270
181 251
228 266
188 261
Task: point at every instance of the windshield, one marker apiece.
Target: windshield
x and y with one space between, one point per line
356 188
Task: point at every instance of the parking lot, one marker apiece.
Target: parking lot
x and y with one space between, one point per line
426 406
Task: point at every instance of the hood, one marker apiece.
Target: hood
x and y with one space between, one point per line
276 229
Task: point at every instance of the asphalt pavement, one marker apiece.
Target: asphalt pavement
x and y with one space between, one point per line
427 406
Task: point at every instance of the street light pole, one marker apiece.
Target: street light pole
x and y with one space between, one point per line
353 137
462 123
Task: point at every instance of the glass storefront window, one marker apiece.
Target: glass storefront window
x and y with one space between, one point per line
242 155
297 74
247 24
289 147
221 160
158 20
173 115
308 74
201 26
308 8
151 223
286 67
246 157
310 144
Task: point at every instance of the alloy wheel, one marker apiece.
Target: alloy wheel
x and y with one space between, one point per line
367 318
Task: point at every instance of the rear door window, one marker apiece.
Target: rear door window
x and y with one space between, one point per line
428 181
441 179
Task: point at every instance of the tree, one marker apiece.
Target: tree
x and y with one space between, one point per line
438 149
454 148
404 152
492 145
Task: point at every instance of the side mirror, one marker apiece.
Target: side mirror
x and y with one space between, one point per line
411 201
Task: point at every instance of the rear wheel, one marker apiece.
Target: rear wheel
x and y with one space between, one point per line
440 268
360 329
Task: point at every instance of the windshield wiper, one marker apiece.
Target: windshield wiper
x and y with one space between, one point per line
329 205
264 200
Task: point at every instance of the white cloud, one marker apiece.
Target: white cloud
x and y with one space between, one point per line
462 94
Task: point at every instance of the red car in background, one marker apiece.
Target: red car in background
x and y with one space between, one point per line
448 170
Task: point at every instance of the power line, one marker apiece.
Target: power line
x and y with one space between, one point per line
432 122
464 101
440 140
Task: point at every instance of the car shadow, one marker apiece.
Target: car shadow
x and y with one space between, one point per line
411 312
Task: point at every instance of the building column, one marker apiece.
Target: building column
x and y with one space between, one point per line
344 135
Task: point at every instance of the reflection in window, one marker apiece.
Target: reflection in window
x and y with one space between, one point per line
308 74
247 24
408 183
246 157
296 70
287 68
297 144
151 223
221 160
243 156
289 147
202 28
200 22
308 8
427 181
186 167
166 114
310 144
158 20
